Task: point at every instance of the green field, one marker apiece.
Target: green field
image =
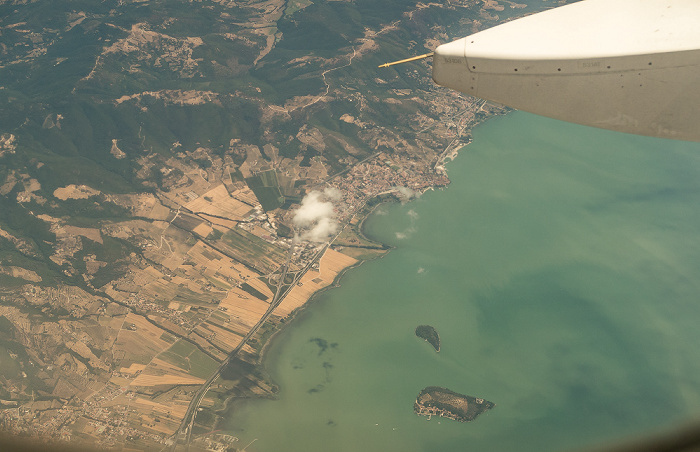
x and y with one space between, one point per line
254 292
254 250
267 189
188 357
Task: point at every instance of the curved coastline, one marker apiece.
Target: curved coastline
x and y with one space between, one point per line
297 314
450 155
231 402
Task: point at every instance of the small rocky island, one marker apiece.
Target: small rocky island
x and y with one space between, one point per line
428 333
436 401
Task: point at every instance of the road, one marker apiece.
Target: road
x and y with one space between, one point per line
187 424
460 129
185 431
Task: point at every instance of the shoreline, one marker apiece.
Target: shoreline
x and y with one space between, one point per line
294 315
261 365
230 404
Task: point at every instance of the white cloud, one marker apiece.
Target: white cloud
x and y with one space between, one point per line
316 217
405 234
333 194
406 193
413 215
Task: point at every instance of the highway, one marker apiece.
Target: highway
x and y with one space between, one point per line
185 431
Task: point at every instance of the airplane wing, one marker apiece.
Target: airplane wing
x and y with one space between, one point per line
626 65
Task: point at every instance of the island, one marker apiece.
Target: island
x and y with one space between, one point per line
429 333
437 401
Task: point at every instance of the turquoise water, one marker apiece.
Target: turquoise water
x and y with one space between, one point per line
560 269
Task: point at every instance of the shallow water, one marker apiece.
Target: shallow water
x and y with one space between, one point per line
560 270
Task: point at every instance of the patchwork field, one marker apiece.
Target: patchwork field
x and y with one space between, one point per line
253 250
185 356
330 265
243 310
220 203
160 417
246 195
160 372
138 341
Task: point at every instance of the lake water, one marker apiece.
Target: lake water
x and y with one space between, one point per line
560 269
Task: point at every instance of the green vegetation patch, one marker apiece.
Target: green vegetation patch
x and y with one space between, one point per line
187 222
186 296
219 316
201 364
270 198
182 348
167 337
9 367
253 291
109 273
7 329
429 334
254 250
435 400
267 189
175 360
213 236
219 284
189 358
10 282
